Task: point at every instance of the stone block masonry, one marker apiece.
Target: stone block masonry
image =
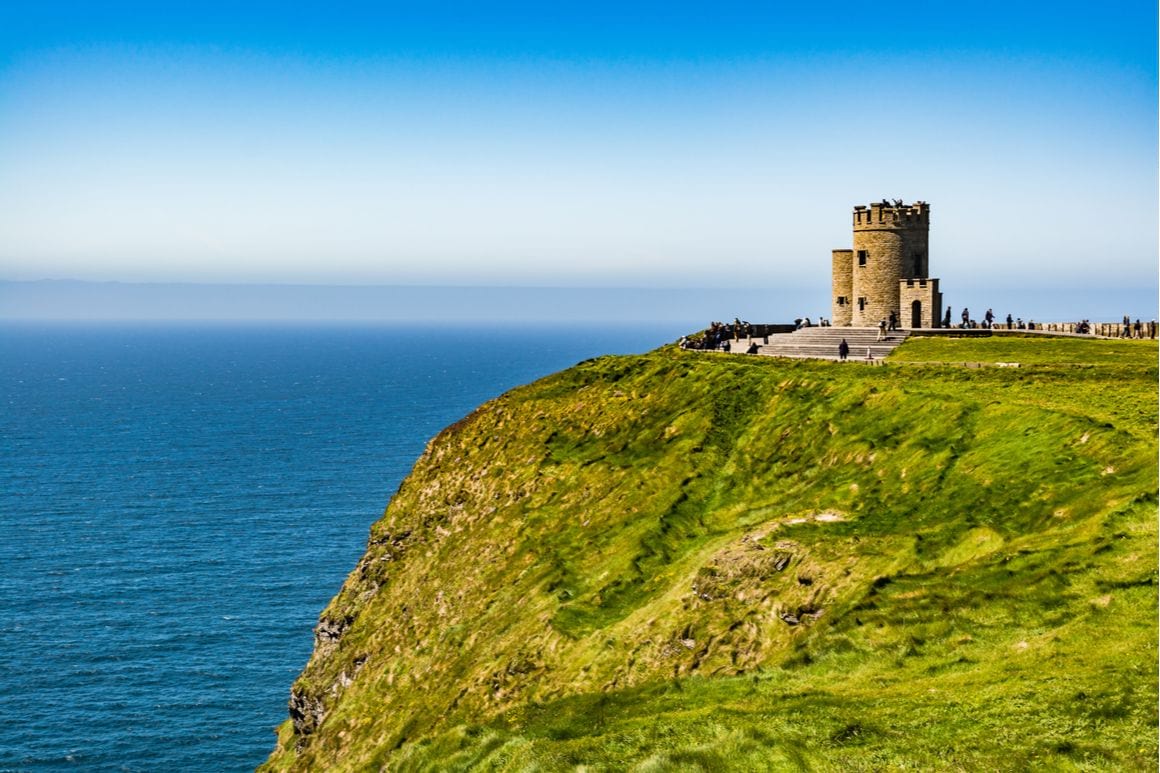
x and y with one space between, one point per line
842 273
921 303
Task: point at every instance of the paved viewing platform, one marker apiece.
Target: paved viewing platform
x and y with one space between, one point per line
821 343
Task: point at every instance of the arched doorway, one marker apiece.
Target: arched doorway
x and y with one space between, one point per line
916 314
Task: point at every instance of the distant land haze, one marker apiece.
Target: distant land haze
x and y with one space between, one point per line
685 307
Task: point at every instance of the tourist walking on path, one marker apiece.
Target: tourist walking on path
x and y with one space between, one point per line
947 318
881 330
990 318
893 321
1010 321
843 350
966 317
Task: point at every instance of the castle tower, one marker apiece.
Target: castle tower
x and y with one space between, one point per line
888 269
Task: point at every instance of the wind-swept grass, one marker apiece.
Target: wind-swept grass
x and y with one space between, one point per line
689 561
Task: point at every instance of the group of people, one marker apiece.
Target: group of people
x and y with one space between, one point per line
1137 329
1013 323
712 338
805 322
1128 328
885 326
718 336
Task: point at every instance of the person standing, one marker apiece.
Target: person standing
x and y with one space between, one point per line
989 317
966 317
1010 321
947 318
843 350
881 330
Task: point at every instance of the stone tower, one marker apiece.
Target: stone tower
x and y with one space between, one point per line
888 269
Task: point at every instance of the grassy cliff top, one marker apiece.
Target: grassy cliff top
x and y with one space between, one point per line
692 561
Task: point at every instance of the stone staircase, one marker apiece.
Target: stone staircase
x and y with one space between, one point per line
821 343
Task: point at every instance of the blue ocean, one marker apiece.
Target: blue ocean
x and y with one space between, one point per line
178 503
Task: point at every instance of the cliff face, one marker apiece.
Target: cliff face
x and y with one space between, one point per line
690 559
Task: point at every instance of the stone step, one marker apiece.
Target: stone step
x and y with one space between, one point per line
851 340
822 343
828 349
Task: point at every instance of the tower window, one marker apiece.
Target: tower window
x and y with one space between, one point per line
841 300
861 257
861 304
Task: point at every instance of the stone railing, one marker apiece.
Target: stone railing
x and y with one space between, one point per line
1101 329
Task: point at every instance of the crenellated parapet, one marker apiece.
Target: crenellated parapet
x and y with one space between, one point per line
892 215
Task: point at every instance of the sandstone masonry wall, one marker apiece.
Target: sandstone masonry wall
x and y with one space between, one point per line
842 293
876 281
924 292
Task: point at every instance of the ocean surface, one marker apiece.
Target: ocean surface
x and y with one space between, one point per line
178 503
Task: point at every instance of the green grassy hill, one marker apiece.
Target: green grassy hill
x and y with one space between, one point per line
692 561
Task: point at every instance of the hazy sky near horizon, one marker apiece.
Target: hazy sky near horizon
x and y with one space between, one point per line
581 144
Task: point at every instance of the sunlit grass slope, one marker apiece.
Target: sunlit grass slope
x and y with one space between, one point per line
691 561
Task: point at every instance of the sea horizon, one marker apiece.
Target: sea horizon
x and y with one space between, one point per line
115 302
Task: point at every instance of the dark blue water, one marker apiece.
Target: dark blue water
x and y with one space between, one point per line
178 504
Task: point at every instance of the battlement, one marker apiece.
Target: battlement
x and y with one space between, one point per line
888 215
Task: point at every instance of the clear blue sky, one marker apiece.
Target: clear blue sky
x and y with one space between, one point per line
572 144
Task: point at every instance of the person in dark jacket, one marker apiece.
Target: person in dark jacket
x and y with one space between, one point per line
843 350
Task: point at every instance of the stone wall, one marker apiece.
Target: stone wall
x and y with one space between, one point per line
1148 328
842 292
876 283
915 254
